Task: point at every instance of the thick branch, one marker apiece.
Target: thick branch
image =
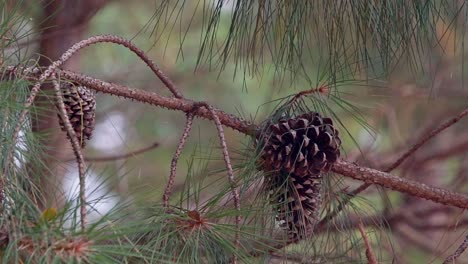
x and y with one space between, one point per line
152 98
403 185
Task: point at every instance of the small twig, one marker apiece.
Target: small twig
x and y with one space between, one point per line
451 259
422 141
230 172
369 253
29 101
322 89
76 149
175 158
235 192
121 156
141 54
456 149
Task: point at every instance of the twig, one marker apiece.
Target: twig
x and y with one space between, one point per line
456 149
369 253
446 226
122 156
76 149
421 142
451 259
141 54
175 158
32 95
235 192
227 161
322 89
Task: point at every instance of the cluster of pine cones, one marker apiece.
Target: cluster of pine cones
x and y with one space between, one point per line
80 105
294 154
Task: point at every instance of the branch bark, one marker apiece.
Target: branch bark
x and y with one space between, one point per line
403 185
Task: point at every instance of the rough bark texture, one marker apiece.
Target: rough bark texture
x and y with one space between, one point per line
406 186
65 23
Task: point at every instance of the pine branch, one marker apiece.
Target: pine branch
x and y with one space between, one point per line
232 181
175 158
403 185
397 163
347 169
368 175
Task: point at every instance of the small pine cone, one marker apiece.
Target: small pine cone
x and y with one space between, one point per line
80 105
295 153
303 146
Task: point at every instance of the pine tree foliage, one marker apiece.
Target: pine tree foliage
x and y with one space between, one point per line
345 39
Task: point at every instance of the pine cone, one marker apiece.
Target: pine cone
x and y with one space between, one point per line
303 146
295 153
80 105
